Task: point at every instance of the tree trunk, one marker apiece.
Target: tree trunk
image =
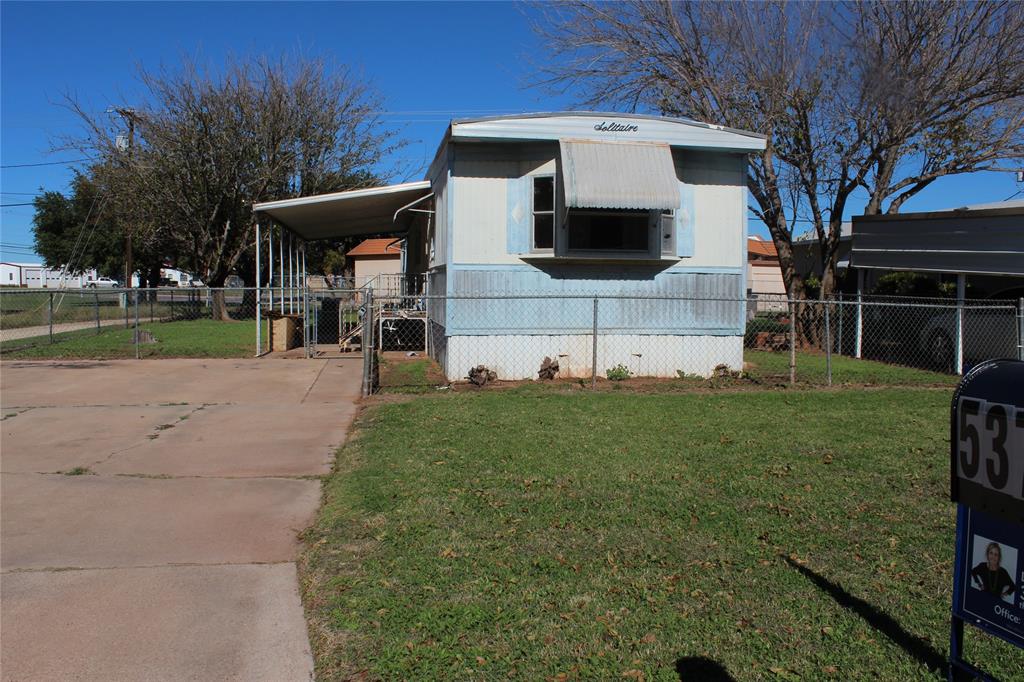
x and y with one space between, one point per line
218 306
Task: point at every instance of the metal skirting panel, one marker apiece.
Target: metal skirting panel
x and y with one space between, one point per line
701 303
519 357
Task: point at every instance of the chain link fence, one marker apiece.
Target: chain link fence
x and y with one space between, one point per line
585 338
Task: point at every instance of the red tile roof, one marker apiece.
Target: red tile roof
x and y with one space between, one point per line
388 246
761 247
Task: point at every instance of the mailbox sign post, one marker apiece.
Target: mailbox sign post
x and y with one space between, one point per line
987 483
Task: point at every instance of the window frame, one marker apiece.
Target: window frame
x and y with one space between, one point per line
534 212
605 253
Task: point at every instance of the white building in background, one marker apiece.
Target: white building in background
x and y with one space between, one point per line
173 277
38 276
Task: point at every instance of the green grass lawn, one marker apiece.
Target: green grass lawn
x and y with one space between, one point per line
20 308
811 369
539 534
180 339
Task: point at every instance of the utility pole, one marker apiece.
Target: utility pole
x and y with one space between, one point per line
128 115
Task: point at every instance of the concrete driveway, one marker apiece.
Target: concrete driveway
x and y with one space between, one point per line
150 512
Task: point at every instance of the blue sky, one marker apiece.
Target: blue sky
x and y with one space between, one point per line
430 61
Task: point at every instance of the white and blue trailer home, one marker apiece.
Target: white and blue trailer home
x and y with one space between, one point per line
648 213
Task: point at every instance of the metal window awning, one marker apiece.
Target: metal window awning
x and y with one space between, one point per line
345 214
618 175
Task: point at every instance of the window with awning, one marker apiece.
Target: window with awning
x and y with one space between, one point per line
619 175
619 197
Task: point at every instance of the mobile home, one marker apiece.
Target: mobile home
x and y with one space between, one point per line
526 218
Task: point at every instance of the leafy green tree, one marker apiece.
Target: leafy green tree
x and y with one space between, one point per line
206 146
83 231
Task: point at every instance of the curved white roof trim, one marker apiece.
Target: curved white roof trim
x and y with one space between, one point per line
608 115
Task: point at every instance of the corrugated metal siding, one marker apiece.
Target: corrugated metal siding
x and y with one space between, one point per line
618 175
712 303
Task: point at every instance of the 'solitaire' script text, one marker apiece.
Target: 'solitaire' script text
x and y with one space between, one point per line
606 127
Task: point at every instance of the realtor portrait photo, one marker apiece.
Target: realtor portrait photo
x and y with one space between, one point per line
995 566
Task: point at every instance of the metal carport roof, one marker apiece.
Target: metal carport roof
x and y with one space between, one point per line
344 214
969 240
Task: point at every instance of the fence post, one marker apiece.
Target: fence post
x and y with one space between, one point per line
860 315
1020 329
593 359
96 306
152 295
136 332
839 335
961 286
367 343
828 343
49 316
792 343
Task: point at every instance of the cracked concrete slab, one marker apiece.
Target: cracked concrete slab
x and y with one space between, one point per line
279 441
95 521
166 623
172 556
52 439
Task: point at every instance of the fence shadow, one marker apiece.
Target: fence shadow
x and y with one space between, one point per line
913 645
701 669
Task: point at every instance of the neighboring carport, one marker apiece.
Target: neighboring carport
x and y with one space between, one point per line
295 222
984 241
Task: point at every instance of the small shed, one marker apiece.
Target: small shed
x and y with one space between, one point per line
376 261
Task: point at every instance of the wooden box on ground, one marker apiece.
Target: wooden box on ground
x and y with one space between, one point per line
285 331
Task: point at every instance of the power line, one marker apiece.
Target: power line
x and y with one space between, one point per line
27 203
45 163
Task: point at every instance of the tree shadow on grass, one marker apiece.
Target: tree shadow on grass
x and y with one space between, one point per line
701 669
915 647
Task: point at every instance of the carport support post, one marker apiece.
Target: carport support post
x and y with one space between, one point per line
1020 329
270 265
280 261
593 358
860 315
305 304
961 288
136 332
259 304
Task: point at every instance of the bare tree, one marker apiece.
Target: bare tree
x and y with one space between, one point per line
881 98
208 146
